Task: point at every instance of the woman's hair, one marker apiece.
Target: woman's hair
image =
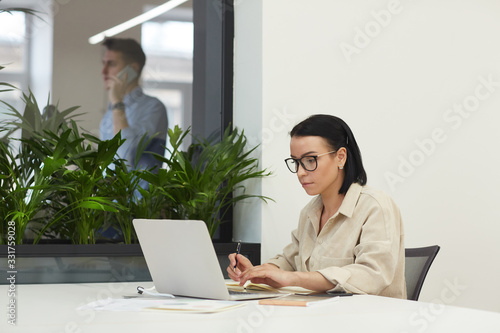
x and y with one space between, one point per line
336 132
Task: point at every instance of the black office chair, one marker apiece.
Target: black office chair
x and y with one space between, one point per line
417 262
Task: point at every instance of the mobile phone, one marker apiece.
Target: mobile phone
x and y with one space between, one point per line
131 73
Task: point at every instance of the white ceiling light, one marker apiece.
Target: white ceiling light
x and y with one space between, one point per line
157 11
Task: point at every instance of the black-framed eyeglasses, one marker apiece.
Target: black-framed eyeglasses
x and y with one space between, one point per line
309 163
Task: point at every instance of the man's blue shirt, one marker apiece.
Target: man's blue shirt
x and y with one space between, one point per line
145 114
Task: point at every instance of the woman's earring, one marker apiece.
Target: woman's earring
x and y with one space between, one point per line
341 167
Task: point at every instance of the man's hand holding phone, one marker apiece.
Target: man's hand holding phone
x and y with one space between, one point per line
127 74
120 82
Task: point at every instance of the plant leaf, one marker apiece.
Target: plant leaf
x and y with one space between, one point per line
50 165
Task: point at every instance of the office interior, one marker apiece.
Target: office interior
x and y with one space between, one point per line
417 81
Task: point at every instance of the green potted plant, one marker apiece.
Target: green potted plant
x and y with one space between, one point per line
52 179
205 177
60 185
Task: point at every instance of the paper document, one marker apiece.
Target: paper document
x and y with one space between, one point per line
179 304
198 306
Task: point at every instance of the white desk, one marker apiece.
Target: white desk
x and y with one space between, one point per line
52 308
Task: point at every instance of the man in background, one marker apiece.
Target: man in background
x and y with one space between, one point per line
130 110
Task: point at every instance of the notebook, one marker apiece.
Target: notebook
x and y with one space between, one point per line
182 261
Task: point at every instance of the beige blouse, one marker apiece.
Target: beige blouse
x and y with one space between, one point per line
360 249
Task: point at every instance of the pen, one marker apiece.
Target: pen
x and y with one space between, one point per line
237 252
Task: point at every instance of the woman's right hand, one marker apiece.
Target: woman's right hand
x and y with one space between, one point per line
242 265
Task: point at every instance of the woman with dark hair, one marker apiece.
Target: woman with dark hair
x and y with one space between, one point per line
350 236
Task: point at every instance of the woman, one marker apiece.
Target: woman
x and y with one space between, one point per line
350 237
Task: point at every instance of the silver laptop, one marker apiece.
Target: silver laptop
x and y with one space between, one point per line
182 261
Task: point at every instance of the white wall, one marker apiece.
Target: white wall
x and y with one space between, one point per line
400 73
248 111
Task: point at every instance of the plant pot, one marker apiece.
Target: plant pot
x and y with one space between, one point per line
70 263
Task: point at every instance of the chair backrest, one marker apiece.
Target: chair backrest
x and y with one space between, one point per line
417 264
